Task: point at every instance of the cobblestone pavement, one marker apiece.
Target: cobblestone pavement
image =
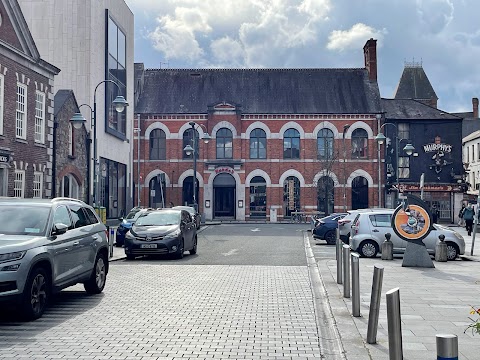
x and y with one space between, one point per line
153 311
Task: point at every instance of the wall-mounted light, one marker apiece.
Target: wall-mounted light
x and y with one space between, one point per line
240 203
207 203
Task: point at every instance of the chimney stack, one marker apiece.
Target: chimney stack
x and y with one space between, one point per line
370 53
475 107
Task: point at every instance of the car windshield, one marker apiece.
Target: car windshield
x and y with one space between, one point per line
131 214
159 219
24 220
187 208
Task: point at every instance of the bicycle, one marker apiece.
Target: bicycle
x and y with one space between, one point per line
298 217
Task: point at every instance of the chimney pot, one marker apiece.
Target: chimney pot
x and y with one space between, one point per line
475 107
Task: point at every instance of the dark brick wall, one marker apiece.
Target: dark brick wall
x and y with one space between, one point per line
7 33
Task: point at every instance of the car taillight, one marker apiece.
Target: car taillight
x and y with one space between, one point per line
357 226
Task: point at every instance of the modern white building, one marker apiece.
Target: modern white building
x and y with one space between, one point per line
92 41
471 156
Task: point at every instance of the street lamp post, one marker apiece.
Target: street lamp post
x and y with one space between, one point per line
193 150
78 120
345 128
409 149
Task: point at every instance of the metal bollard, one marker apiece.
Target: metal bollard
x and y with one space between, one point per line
447 347
110 241
346 271
339 258
355 284
394 320
375 298
441 249
387 248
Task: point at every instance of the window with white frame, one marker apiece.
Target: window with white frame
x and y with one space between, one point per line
39 117
70 139
37 184
2 80
19 184
21 113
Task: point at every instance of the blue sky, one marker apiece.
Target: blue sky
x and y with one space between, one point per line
442 34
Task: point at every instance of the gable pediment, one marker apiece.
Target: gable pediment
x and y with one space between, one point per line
224 106
14 31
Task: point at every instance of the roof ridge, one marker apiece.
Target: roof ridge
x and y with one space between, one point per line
249 69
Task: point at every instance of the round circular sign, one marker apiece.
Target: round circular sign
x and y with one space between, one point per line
411 223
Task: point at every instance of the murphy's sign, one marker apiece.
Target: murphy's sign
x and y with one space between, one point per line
438 146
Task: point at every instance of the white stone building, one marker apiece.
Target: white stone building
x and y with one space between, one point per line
92 41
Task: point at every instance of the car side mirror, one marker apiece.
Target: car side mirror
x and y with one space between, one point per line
59 229
120 219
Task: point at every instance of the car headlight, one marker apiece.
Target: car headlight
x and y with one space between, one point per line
12 256
173 234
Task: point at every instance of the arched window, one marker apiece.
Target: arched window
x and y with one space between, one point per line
158 145
187 140
258 144
291 195
359 193
359 144
325 195
70 187
291 144
224 144
258 197
71 135
325 144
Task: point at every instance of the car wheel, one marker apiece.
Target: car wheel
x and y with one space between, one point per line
97 280
452 251
180 250
130 257
331 237
194 249
368 249
36 294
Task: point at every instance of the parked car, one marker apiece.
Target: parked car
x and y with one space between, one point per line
369 229
127 222
345 223
47 245
166 231
325 228
195 215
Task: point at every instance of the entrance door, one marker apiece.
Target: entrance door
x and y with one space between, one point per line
359 193
224 196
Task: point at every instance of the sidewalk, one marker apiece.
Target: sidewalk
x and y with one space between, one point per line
432 301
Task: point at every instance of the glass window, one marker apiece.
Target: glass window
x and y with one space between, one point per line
37 184
325 195
325 144
188 140
112 187
158 147
19 184
39 117
24 220
91 216
79 218
71 136
291 144
404 167
62 216
116 64
1 102
359 144
404 131
258 144
159 218
21 112
224 144
381 220
258 197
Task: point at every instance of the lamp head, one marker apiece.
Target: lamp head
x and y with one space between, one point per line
78 120
120 103
206 137
380 138
409 149
188 150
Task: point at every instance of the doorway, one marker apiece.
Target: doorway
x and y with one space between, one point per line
224 195
359 193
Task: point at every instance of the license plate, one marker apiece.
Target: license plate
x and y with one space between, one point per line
148 246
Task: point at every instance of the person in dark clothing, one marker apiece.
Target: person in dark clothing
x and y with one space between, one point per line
468 215
435 214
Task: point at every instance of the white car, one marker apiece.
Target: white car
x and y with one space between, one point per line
345 224
369 229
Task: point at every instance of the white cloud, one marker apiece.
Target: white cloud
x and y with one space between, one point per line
228 52
353 38
435 15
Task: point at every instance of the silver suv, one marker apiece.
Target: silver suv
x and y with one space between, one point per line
369 229
47 245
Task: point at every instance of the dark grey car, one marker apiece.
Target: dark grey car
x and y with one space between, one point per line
165 231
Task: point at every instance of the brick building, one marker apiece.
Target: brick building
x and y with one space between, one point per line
26 109
71 150
281 139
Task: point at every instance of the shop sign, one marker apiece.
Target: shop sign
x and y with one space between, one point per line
224 170
416 187
4 158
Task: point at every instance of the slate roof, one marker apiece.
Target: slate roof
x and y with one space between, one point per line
414 84
401 109
60 97
260 91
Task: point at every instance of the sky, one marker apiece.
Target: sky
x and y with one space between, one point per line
442 35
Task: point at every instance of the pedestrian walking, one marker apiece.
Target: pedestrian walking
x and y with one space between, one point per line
435 214
461 222
468 215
